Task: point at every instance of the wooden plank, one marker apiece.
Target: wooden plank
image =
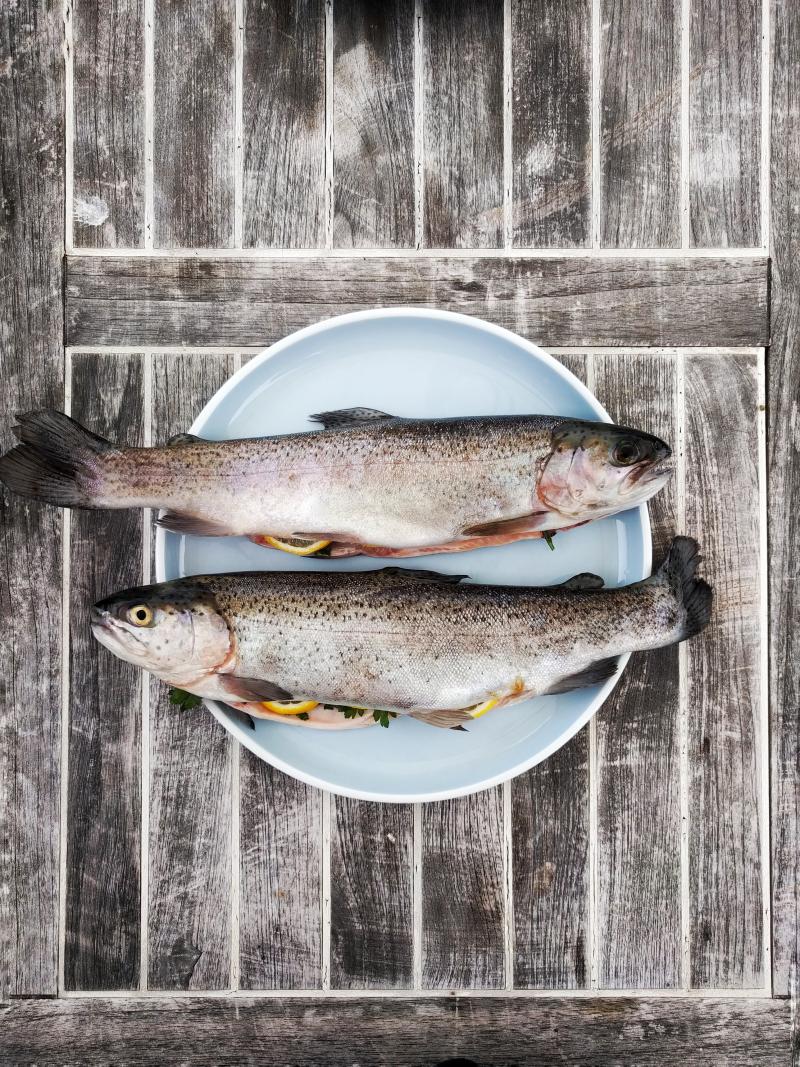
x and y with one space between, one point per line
551 55
193 124
189 913
463 123
462 893
550 827
284 124
104 792
108 118
640 123
373 124
31 320
567 302
725 123
638 910
550 860
372 938
280 879
783 377
501 1031
724 683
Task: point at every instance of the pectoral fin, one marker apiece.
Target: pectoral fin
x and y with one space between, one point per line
521 525
257 689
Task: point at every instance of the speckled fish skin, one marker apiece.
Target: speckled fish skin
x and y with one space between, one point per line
368 479
401 640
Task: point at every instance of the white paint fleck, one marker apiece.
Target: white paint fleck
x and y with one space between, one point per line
90 210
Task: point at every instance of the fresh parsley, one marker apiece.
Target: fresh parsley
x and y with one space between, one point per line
549 539
185 701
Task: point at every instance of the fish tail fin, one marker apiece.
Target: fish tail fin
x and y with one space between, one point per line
693 595
56 460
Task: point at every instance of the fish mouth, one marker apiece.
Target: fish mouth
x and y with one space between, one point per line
112 635
660 472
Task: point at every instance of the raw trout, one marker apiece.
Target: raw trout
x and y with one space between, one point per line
408 642
367 483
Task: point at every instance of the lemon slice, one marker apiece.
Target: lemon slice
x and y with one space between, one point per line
296 545
289 707
477 710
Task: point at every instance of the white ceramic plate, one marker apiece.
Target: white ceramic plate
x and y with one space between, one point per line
415 363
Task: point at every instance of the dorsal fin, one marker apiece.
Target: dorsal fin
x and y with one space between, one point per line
332 420
585 580
181 439
418 575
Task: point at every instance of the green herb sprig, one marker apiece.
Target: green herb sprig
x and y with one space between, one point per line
185 701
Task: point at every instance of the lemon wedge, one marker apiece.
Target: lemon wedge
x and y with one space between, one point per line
296 545
289 707
477 710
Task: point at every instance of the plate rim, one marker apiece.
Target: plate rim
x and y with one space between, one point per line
242 735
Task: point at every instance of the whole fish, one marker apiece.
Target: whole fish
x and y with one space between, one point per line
367 483
408 642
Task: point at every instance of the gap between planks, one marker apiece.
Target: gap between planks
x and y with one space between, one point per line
594 122
553 350
683 723
147 548
69 125
419 131
149 91
686 59
65 669
527 252
591 843
755 993
765 768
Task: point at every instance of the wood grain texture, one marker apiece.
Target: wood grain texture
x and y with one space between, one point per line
463 123
723 676
189 912
550 862
371 895
280 879
640 123
783 456
725 123
108 118
31 376
550 827
568 302
284 124
551 56
373 124
104 788
193 124
497 1032
463 911
638 912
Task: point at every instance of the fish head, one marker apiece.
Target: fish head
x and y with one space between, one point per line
174 629
596 469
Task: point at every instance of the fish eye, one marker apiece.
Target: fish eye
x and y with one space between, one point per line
140 615
626 452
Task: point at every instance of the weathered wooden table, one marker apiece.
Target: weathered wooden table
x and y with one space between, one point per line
618 181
